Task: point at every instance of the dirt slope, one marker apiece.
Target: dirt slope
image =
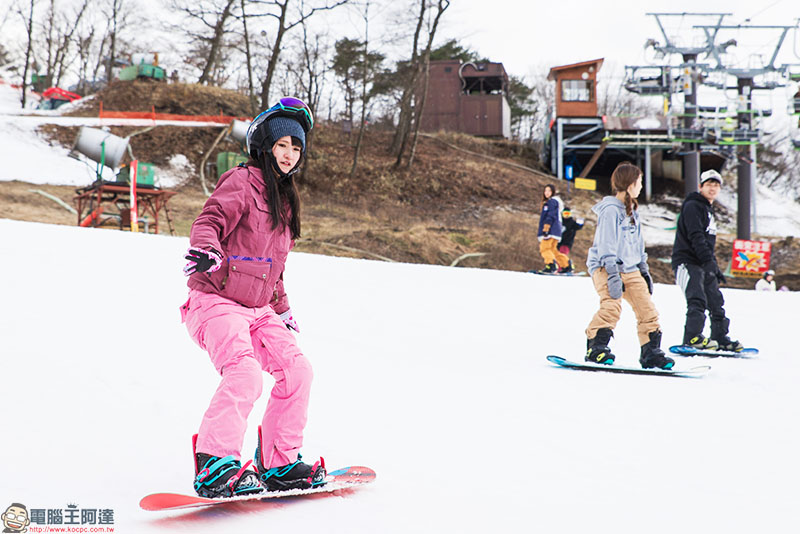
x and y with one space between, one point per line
462 196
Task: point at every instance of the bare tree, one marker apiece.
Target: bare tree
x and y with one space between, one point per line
426 61
60 37
279 10
213 17
310 72
118 14
85 43
404 119
419 60
28 48
251 94
364 82
52 44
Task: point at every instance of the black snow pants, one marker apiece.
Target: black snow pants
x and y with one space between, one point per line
702 293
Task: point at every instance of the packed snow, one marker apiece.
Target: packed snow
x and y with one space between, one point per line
434 376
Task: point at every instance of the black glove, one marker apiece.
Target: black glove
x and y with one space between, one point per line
648 281
720 277
645 270
201 261
710 267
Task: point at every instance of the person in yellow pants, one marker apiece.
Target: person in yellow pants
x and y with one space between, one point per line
549 234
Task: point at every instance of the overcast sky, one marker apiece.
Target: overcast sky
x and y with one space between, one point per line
527 34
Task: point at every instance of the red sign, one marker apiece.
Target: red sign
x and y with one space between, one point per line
750 258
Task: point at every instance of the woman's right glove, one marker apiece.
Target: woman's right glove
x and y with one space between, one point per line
615 285
645 270
201 261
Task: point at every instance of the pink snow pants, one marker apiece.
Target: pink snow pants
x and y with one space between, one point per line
243 342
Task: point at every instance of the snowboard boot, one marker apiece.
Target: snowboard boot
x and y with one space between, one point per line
568 269
297 475
726 343
550 268
597 350
217 477
652 355
702 343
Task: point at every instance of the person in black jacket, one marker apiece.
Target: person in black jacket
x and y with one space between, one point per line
569 227
696 270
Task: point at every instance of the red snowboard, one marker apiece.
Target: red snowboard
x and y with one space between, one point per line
341 479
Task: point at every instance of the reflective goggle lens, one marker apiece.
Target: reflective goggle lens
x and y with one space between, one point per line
296 105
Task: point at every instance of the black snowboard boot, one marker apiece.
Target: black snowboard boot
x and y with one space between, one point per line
224 477
568 269
597 350
653 356
726 343
297 475
550 268
702 343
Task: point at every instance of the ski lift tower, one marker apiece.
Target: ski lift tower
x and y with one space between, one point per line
689 82
746 135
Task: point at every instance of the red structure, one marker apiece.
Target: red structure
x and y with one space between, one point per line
576 88
467 97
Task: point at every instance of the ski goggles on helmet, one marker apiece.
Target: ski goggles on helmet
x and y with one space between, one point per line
288 106
291 107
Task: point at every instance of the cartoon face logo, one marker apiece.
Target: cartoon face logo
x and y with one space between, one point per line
15 518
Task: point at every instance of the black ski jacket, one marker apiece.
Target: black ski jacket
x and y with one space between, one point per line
696 234
569 227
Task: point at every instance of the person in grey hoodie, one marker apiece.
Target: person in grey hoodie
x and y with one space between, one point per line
617 263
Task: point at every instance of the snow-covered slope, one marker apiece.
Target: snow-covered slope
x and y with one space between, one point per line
433 376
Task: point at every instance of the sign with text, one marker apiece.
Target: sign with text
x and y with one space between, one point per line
589 184
750 258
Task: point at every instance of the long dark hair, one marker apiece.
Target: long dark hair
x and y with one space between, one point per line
552 193
623 176
281 193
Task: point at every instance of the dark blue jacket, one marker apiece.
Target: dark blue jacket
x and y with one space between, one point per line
551 214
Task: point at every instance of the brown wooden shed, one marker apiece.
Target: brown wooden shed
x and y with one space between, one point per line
467 97
576 88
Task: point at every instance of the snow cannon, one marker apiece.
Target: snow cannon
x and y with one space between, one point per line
101 146
239 131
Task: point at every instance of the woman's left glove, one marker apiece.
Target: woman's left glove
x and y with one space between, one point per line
645 270
201 261
289 321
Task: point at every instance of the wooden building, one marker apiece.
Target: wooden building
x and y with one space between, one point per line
576 88
467 97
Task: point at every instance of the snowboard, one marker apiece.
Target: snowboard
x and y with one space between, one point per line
340 479
588 366
573 273
683 350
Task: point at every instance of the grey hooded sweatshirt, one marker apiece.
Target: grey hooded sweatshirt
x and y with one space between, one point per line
617 241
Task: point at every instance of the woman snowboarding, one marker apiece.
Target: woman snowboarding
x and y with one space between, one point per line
617 263
239 313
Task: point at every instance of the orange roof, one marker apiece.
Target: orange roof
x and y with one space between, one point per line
598 62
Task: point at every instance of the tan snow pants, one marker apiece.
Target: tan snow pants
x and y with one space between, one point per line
635 294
